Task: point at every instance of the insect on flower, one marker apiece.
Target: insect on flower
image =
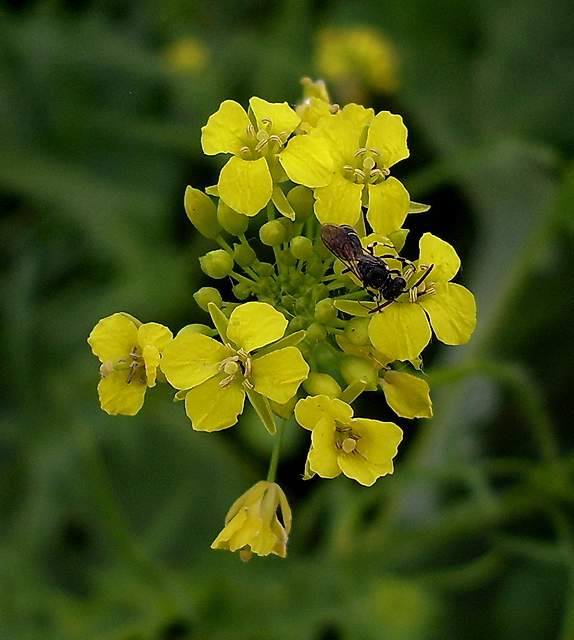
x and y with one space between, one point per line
372 271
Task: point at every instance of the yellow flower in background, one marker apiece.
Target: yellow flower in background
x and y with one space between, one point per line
346 54
187 54
130 355
216 376
252 525
364 147
262 154
361 448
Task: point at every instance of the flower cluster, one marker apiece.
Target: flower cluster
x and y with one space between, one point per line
313 324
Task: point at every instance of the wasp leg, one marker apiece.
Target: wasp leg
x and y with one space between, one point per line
386 303
423 277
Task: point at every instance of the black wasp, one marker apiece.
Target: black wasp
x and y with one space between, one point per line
372 271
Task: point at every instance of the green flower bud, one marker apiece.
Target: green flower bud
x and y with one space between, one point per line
201 211
286 257
322 384
297 323
233 222
355 368
357 331
302 248
315 266
302 304
398 238
289 227
242 291
273 233
325 311
319 292
265 269
244 255
321 250
205 295
302 201
316 332
198 328
216 264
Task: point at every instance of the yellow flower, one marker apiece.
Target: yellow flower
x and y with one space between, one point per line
361 448
347 54
187 54
364 147
217 376
252 525
403 329
315 105
262 154
130 355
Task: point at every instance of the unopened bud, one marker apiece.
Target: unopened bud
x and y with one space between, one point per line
233 222
205 295
302 247
244 255
322 384
273 233
357 331
355 368
302 201
325 311
216 264
201 211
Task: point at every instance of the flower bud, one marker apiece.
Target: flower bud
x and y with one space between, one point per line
273 233
315 266
357 331
205 295
302 201
322 384
265 269
302 247
197 328
319 292
233 222
201 211
286 257
316 332
244 255
325 311
355 368
216 264
241 291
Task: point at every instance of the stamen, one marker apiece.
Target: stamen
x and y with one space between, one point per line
375 151
246 153
360 152
251 131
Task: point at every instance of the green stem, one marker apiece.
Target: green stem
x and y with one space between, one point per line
276 451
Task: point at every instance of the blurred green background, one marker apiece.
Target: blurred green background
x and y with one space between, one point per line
106 522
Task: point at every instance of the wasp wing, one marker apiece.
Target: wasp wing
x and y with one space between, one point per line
344 243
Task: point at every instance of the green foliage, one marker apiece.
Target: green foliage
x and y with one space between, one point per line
106 523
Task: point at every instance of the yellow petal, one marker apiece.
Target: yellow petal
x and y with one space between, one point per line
151 359
306 160
339 202
211 407
120 397
113 337
452 312
388 205
226 129
407 395
254 324
388 134
435 251
278 374
400 331
278 116
154 334
342 132
323 455
245 185
192 358
311 410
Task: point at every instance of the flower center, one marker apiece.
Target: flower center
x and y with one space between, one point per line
345 438
134 365
261 142
239 363
367 167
